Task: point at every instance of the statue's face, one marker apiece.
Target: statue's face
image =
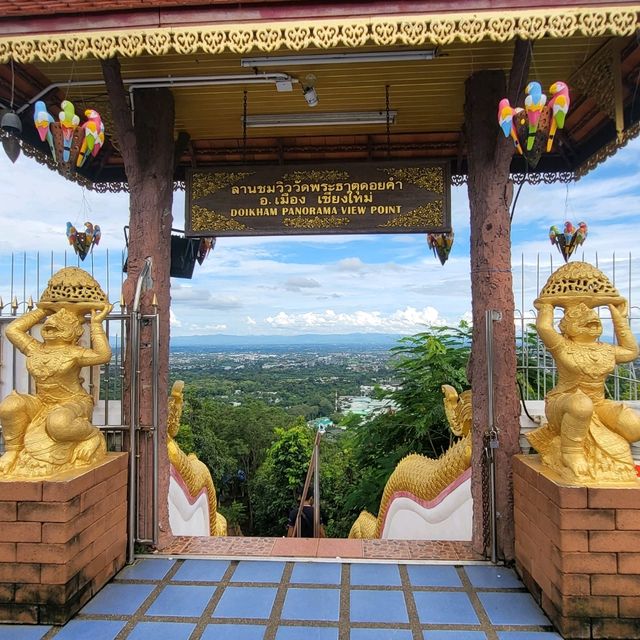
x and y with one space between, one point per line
62 326
583 325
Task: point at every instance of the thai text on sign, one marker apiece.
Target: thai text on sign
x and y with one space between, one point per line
386 197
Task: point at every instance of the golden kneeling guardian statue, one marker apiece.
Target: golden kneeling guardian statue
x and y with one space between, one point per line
587 436
51 431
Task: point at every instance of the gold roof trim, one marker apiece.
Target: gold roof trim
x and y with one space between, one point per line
409 30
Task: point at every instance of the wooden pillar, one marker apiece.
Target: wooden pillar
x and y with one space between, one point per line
490 192
146 144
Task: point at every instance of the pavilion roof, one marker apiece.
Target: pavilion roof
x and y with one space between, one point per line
590 45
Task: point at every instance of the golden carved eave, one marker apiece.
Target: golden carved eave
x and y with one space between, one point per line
409 30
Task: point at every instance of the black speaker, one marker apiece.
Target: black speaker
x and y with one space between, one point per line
184 252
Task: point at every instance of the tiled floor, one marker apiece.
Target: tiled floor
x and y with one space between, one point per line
198 599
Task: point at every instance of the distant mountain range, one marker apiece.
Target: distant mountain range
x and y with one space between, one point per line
305 339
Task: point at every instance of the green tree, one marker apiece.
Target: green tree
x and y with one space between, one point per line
423 363
279 480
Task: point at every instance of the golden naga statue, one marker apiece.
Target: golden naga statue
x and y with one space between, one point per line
192 472
587 436
422 477
51 431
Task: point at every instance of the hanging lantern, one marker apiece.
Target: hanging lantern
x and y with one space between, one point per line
83 241
70 142
441 244
569 239
12 126
533 127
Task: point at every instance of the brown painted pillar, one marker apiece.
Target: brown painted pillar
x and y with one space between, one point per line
490 192
147 147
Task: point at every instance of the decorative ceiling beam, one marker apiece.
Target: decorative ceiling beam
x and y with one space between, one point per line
432 29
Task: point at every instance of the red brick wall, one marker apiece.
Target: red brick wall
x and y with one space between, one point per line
61 541
578 552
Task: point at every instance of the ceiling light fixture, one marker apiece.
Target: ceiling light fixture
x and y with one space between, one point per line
319 119
340 58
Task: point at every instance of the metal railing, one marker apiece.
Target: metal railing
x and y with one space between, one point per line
123 430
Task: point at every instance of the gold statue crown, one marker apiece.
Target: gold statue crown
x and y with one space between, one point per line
578 279
73 284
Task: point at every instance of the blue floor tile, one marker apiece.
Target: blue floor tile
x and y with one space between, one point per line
22 632
307 633
201 571
375 574
119 599
380 634
433 575
258 571
181 601
147 569
378 606
245 602
317 572
454 635
437 607
512 608
161 631
312 604
233 632
94 629
527 635
493 577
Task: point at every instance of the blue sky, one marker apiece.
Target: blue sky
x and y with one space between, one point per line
329 284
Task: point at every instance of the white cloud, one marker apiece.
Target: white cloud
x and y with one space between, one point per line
173 320
251 321
299 283
351 265
404 320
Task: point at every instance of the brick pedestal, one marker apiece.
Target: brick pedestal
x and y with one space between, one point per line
61 541
578 552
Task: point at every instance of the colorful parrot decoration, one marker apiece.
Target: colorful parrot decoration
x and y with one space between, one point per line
533 105
441 244
206 245
69 121
507 118
559 105
70 143
83 241
93 136
539 118
43 121
569 239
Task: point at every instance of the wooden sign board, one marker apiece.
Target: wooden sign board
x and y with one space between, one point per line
380 197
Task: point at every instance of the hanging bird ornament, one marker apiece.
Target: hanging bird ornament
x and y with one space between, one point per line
83 241
533 105
70 142
441 244
569 239
508 118
93 137
206 245
559 105
43 121
533 128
